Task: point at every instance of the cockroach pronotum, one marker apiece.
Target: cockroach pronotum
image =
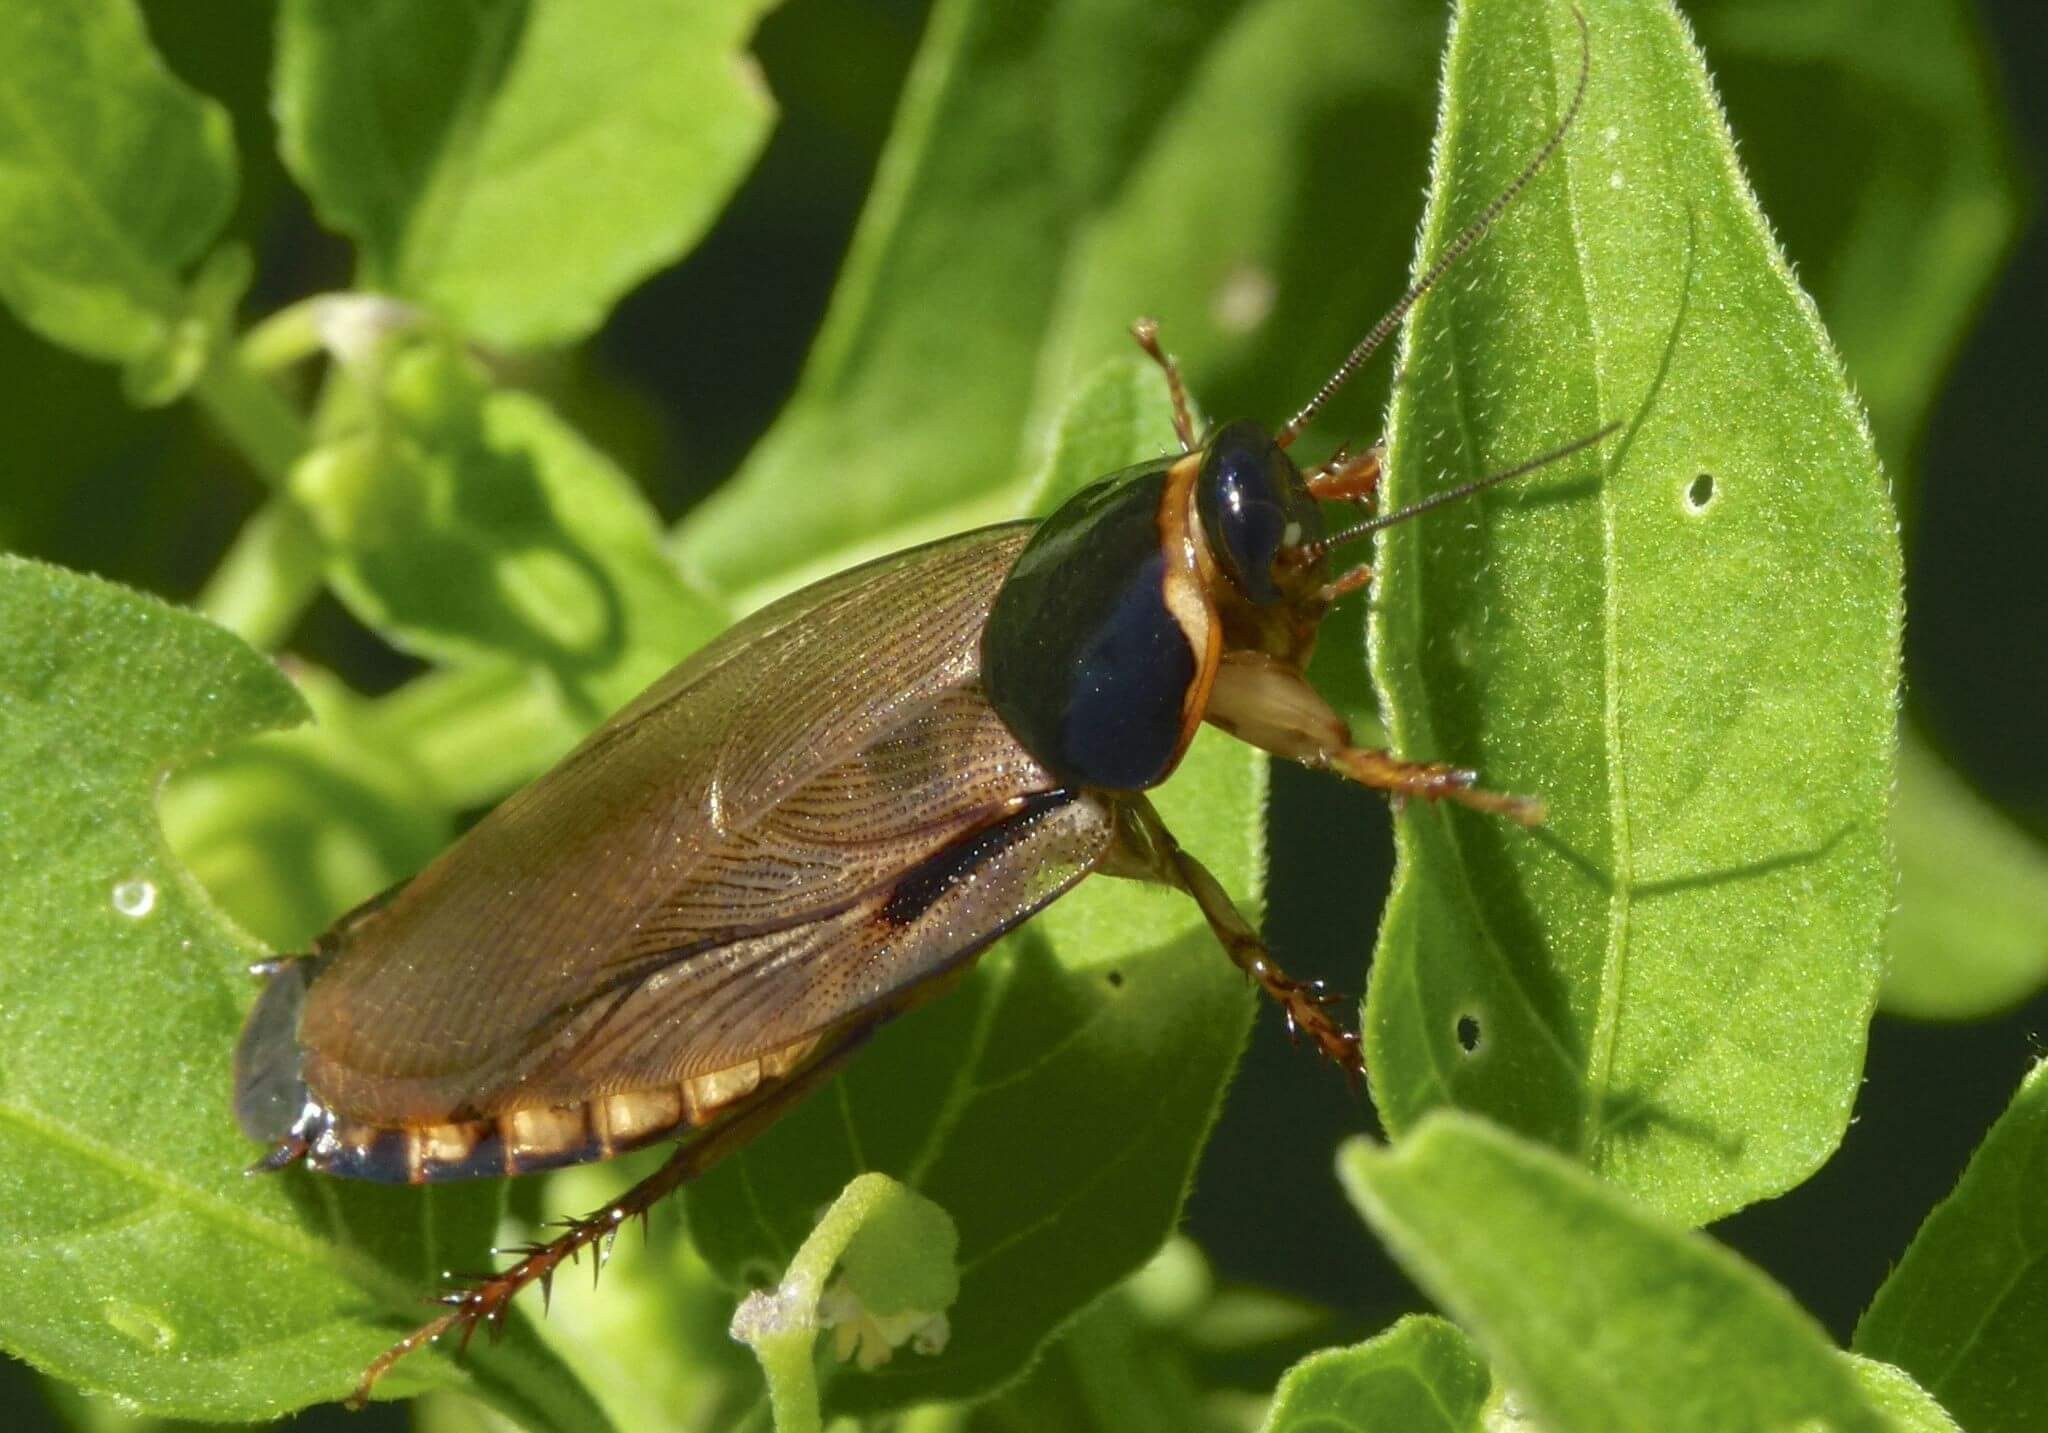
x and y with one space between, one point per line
818 821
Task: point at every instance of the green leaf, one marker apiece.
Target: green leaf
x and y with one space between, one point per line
1054 1104
1687 645
168 371
1135 172
1907 1407
1419 1375
1899 237
1971 934
468 523
1123 1364
1898 242
113 177
474 733
138 1259
291 827
652 1338
1966 1310
519 166
1596 1312
1118 417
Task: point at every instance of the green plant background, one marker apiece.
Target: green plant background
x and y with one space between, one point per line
1894 188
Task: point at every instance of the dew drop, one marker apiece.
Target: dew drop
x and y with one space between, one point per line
135 899
144 1326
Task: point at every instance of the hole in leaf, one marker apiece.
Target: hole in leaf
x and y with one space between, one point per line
1116 978
1699 493
1470 1037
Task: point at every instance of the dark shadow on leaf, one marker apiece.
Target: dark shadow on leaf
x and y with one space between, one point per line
1670 353
1634 1115
455 576
1748 870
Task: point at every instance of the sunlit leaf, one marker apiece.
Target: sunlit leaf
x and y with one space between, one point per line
1139 173
518 166
1966 1310
1596 1312
471 523
1420 1376
113 177
1899 236
137 1258
1686 643
1971 934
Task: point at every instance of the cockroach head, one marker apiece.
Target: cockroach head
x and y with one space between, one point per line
1254 506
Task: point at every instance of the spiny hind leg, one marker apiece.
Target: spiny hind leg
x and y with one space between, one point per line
1266 702
484 1299
1145 850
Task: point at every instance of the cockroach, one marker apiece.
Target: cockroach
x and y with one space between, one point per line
819 820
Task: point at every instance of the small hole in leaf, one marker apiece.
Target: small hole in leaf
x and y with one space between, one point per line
1116 978
1469 1035
1699 493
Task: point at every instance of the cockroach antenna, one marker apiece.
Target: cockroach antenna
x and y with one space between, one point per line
1316 549
1470 235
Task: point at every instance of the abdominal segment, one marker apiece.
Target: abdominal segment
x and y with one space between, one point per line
522 1141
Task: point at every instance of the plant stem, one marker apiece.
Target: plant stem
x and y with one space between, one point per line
254 416
272 572
267 578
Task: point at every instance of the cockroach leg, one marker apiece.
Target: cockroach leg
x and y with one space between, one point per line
1145 850
1146 331
1345 478
1262 700
487 1297
1345 583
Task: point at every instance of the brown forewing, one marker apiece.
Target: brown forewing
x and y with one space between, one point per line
708 877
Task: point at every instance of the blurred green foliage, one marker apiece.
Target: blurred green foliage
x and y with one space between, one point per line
589 422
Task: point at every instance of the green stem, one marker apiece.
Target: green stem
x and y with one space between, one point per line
788 1362
272 573
268 577
254 415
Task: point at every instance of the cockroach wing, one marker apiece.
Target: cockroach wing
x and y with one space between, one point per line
793 831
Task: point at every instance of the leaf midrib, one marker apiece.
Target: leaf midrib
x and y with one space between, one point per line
433 218
1621 883
388 1289
364 1273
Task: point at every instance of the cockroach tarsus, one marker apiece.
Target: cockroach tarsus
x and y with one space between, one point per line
817 822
